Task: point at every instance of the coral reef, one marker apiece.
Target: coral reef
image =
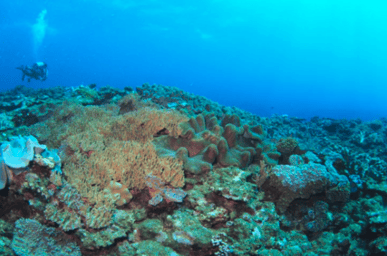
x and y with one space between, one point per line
103 171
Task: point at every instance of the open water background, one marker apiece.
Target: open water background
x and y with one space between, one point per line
303 58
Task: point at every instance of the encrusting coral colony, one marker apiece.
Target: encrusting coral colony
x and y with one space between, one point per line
159 171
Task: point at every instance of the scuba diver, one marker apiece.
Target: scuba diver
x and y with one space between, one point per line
38 71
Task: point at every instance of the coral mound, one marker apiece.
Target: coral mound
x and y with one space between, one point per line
287 183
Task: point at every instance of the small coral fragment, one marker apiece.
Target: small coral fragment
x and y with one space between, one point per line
45 161
159 190
183 238
119 192
56 179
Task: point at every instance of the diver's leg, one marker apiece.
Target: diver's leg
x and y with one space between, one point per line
24 75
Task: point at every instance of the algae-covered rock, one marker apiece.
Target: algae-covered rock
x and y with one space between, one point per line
102 238
5 122
318 217
145 248
87 94
125 219
31 238
149 228
232 183
6 230
379 245
186 221
377 217
323 245
247 235
297 239
5 246
270 252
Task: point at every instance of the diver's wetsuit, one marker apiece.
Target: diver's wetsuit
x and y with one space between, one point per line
38 71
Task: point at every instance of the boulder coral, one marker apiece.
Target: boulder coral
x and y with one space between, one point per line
287 183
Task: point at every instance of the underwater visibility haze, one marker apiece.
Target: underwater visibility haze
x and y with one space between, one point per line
193 128
301 58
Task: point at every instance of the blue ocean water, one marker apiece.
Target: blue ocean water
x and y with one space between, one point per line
302 58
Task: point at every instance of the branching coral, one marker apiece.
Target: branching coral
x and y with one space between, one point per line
124 162
102 147
71 119
143 124
132 102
